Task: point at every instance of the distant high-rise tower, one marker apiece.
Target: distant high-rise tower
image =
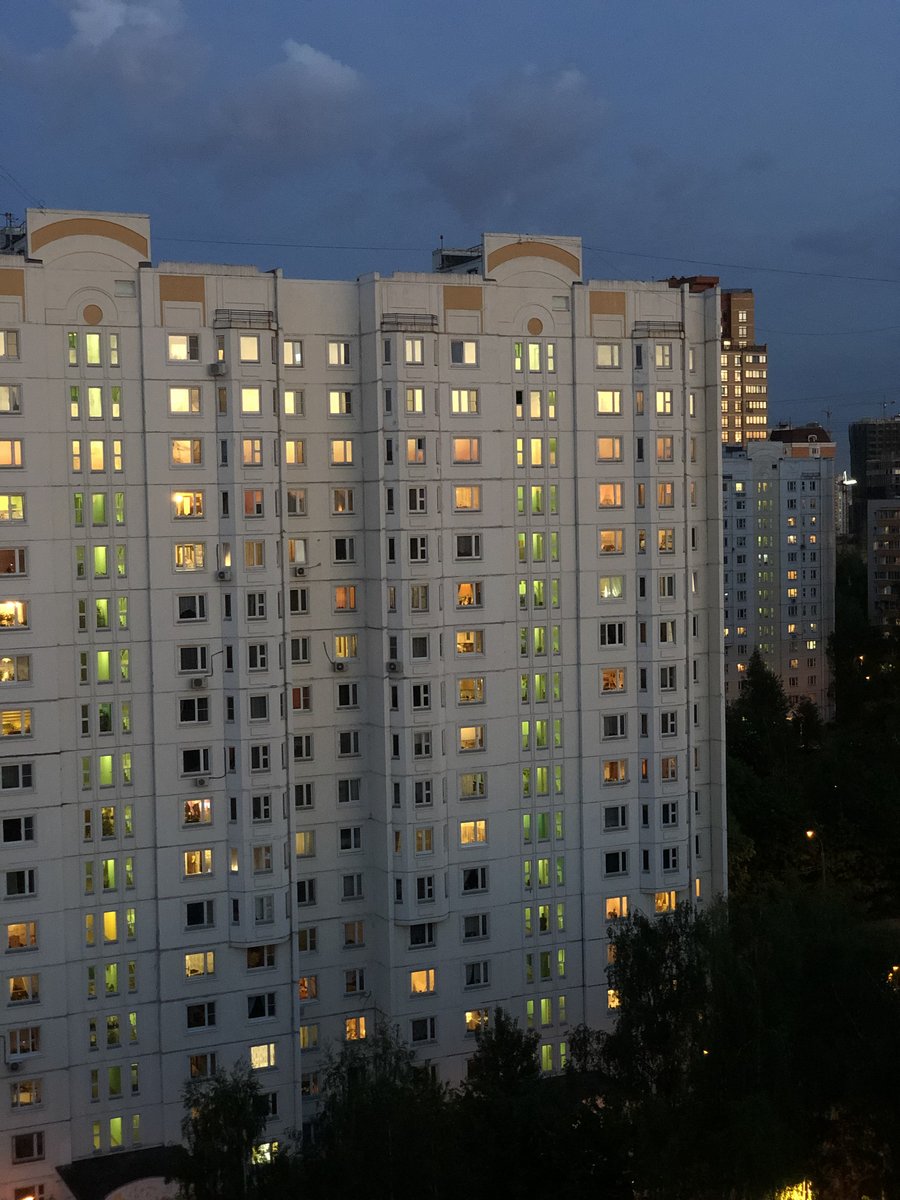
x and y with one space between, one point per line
743 372
875 511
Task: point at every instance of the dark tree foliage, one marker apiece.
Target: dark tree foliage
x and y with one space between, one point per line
382 1125
788 772
387 1126
755 1047
513 1126
225 1117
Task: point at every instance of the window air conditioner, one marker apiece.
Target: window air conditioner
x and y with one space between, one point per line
224 574
394 667
218 368
198 682
200 783
298 572
339 666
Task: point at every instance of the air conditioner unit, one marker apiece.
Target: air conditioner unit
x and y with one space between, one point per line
394 667
339 666
14 1066
298 572
224 574
200 783
218 368
198 682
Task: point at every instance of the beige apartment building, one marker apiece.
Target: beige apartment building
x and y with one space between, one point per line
361 660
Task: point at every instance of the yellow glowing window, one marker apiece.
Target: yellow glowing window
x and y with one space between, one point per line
472 832
110 927
609 403
471 691
616 908
346 645
609 495
612 679
467 450
355 1029
263 1056
467 498
251 400
421 982
203 962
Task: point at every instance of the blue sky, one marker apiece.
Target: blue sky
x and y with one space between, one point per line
336 138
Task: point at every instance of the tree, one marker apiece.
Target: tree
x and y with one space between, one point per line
752 1050
225 1118
382 1124
505 1063
527 1126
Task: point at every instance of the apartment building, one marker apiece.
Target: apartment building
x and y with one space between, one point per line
780 560
875 512
743 372
361 655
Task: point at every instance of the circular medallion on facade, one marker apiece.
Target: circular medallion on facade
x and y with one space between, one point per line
93 314
535 325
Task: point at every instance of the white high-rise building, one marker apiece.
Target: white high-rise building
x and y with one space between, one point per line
778 503
361 658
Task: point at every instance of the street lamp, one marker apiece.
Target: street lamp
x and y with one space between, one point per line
813 835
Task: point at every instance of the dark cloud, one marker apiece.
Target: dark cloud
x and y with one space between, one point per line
507 149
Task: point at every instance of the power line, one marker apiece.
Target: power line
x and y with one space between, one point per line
26 195
697 262
825 333
708 262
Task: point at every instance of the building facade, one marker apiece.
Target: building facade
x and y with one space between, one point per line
361 656
743 372
780 560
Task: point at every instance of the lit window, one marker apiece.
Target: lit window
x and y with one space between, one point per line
609 449
294 453
251 400
340 403
609 403
354 1029
463 354
248 347
471 737
467 450
183 347
615 770
10 452
464 401
472 832
292 353
185 452
470 641
421 982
